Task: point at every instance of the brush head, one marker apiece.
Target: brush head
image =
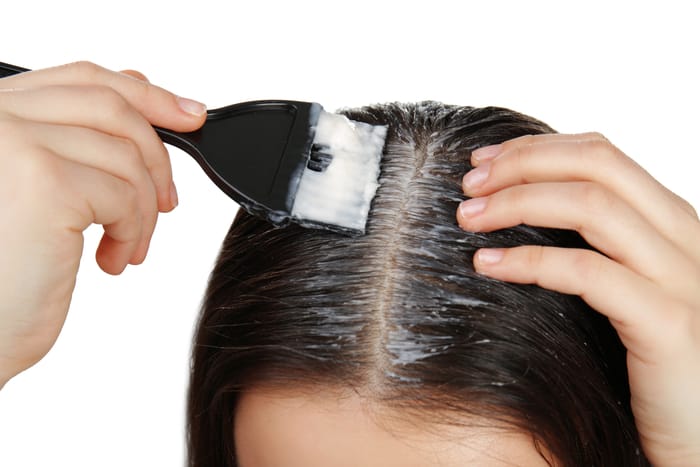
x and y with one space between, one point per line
290 161
340 178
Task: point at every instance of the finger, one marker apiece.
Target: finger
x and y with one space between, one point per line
638 309
135 74
600 216
595 144
101 198
586 157
160 107
486 153
117 156
102 109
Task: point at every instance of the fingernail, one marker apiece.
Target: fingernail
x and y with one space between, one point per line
486 153
476 177
173 195
191 107
472 207
489 256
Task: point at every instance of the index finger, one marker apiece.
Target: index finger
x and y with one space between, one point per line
159 106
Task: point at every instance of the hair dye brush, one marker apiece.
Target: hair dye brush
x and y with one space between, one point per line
286 161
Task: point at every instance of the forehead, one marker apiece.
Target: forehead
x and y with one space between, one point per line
284 429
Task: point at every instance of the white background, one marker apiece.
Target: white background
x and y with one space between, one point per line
112 390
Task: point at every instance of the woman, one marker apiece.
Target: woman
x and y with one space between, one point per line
651 263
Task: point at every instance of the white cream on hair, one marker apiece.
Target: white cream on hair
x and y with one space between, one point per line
342 193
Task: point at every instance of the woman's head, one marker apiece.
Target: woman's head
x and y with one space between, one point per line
395 331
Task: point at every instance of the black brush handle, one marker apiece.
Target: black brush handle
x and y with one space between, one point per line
183 141
8 70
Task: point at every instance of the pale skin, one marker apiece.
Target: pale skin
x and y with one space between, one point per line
85 132
325 428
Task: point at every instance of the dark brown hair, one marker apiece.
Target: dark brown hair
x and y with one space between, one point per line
402 312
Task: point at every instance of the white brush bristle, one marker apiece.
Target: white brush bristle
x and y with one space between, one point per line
341 195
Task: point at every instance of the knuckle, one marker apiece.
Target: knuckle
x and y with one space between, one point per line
86 69
41 166
113 103
104 94
130 154
143 88
135 168
130 231
520 153
534 255
158 160
519 160
133 165
140 89
117 101
130 198
520 142
138 175
526 140
586 264
150 218
595 135
604 152
38 165
594 197
150 210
